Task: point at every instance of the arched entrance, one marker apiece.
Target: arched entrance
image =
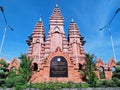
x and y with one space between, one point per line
102 74
58 67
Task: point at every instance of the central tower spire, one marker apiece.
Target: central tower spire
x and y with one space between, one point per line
56 33
56 20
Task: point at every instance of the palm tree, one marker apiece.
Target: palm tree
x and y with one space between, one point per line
25 68
90 68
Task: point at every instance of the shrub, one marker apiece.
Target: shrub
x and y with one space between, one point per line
9 83
58 85
108 83
99 83
2 82
21 87
85 85
19 80
117 82
2 75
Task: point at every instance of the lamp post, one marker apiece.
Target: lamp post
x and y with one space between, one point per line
3 38
5 29
109 30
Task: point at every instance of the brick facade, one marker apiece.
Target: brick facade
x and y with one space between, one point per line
107 69
14 64
56 44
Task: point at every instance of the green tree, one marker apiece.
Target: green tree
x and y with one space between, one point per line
19 79
25 69
89 69
116 73
10 81
3 72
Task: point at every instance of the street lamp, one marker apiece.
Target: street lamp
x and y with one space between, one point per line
109 30
6 26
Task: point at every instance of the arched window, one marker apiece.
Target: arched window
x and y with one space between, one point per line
102 74
35 66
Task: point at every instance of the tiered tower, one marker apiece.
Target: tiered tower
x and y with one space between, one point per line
36 42
56 58
76 43
56 36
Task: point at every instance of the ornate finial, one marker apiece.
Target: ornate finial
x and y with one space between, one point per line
72 20
56 1
40 19
56 5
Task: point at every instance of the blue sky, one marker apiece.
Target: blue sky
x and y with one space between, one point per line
89 15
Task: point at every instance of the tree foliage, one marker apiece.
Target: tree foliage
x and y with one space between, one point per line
25 69
116 73
90 68
18 78
3 72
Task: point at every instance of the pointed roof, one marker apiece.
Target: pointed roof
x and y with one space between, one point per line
74 32
39 28
73 29
38 32
56 15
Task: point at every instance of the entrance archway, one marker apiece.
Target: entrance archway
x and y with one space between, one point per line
102 74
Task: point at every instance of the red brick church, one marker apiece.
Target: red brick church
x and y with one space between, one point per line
57 58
